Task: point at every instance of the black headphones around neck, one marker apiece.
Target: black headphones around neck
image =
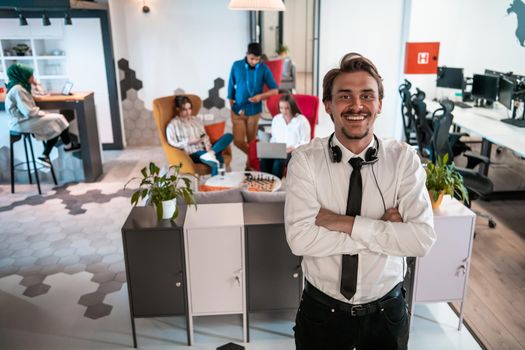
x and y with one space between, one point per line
336 154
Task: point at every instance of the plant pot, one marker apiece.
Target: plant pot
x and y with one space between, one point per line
436 203
167 209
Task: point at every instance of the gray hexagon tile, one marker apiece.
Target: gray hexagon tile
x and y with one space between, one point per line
36 290
98 311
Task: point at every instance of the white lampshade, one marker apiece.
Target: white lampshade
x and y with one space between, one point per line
257 5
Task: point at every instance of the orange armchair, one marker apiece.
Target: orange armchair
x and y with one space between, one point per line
163 112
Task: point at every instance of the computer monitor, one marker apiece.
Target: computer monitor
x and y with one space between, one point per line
494 72
506 92
449 77
485 86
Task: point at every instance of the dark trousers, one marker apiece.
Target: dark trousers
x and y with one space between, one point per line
274 166
319 326
49 144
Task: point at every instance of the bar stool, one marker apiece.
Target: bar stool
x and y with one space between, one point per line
15 136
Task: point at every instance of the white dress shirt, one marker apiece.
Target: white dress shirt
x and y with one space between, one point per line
294 134
313 181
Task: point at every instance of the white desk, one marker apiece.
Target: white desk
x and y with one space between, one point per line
486 122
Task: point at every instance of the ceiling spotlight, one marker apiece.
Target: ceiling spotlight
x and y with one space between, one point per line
22 20
67 19
45 20
145 8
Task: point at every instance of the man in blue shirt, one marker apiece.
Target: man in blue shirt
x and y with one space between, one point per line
245 92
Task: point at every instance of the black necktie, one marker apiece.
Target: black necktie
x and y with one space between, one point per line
353 208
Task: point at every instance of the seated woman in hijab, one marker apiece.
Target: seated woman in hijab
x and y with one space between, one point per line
290 127
25 116
187 132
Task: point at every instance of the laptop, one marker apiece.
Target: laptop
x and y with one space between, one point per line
272 150
66 89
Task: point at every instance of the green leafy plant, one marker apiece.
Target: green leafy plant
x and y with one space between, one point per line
20 49
443 177
159 188
282 50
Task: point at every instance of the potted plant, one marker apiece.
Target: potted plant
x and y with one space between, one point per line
443 178
163 190
21 49
282 50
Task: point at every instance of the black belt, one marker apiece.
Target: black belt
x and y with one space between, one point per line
353 309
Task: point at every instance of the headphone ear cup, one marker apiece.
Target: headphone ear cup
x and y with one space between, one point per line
336 154
371 154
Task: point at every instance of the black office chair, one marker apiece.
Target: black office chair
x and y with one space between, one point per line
407 113
423 125
15 136
477 184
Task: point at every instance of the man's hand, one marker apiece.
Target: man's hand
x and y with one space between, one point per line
255 99
392 215
334 222
232 102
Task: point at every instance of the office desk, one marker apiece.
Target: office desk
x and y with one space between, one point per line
486 122
83 103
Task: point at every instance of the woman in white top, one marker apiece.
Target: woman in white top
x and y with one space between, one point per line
290 127
187 132
25 116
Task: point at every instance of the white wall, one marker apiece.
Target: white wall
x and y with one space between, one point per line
474 35
86 68
179 44
372 28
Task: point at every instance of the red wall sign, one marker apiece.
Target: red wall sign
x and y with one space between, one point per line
421 58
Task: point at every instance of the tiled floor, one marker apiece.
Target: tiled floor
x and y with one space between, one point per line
62 277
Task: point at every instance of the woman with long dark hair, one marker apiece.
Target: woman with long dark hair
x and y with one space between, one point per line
290 127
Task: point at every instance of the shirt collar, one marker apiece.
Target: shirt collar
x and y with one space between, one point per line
347 154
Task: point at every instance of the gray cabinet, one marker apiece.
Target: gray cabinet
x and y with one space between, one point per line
155 269
274 276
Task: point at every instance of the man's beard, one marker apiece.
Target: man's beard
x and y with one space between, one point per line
355 137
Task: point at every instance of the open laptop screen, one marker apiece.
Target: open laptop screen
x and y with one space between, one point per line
66 90
271 150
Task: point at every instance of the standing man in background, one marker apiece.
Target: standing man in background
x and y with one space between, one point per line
355 223
245 92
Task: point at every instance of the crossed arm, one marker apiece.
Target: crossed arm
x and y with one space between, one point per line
312 230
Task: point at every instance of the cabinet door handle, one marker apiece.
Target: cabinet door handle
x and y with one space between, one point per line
178 284
295 275
238 280
461 269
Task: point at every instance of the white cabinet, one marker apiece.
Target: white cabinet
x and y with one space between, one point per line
442 274
46 56
215 270
214 247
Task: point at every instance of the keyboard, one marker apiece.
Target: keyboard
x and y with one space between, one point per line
461 104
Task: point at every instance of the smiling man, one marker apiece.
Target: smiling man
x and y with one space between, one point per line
356 206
